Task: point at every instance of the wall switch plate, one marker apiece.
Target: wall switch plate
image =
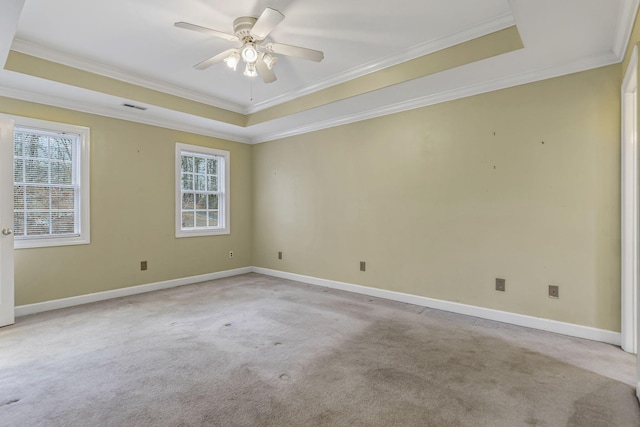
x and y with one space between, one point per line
143 265
279 255
501 284
363 266
554 291
230 254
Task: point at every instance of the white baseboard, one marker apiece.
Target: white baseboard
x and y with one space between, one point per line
570 329
563 328
23 310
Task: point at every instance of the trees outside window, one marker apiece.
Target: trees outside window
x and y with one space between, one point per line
202 191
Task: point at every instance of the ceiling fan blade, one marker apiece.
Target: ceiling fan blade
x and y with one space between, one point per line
217 58
206 30
300 52
264 72
269 19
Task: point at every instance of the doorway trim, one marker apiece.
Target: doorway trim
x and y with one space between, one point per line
629 206
7 304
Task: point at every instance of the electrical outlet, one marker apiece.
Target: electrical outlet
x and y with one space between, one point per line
554 291
363 266
279 255
143 265
500 284
230 254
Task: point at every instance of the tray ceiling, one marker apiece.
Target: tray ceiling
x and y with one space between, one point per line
135 42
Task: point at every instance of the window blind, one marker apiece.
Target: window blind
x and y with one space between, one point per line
46 183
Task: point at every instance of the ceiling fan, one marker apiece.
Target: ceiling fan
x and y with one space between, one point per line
257 55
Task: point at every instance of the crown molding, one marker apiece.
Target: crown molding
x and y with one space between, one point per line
475 89
486 27
626 19
450 95
55 101
39 51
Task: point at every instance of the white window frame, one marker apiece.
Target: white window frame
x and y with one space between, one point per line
224 216
84 228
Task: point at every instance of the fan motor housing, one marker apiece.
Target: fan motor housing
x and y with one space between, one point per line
242 27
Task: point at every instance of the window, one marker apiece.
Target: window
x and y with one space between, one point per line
51 184
202 191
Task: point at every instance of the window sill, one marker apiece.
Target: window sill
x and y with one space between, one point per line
46 242
201 233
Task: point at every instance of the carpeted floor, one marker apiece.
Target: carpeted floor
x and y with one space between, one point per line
258 351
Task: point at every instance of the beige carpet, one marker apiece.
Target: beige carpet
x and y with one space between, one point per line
258 351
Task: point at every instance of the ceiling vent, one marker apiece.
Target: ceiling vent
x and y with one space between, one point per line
136 107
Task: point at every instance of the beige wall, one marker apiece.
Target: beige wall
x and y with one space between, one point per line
441 200
435 203
132 213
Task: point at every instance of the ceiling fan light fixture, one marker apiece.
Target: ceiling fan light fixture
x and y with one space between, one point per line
250 70
258 56
249 53
269 60
232 60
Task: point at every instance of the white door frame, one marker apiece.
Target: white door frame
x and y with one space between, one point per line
629 207
7 309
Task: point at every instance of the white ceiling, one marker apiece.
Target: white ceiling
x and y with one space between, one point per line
135 41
